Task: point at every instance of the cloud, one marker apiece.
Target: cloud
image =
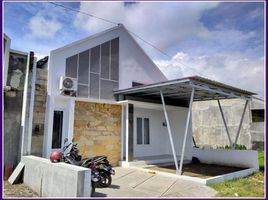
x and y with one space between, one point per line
163 24
42 27
232 68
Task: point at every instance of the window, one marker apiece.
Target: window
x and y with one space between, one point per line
257 115
134 84
97 70
57 129
143 130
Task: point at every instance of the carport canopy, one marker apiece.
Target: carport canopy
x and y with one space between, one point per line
182 92
179 90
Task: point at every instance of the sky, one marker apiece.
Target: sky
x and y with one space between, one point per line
223 41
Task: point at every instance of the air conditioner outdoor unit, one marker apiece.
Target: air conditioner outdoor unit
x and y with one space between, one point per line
68 85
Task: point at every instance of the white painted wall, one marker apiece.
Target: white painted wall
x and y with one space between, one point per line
134 64
62 104
159 140
235 158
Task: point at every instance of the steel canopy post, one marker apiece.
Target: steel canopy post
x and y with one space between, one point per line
225 125
240 125
169 132
186 130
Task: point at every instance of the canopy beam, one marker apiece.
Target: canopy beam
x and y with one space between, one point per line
169 133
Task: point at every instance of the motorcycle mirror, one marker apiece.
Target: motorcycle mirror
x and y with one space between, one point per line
65 140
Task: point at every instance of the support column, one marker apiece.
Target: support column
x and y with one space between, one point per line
225 125
240 125
127 134
186 130
169 133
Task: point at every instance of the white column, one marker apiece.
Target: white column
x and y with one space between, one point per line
169 132
127 133
24 135
31 108
186 129
122 132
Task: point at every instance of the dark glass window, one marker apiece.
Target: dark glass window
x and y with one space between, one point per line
134 84
57 129
94 85
105 60
146 131
139 130
257 115
107 88
83 69
71 67
115 59
95 59
82 91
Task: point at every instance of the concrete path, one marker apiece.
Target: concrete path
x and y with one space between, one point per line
129 182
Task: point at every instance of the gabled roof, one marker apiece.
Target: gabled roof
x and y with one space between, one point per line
120 26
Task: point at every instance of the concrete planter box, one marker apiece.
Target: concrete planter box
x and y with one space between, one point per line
56 179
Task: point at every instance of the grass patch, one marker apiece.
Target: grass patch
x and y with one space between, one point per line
251 186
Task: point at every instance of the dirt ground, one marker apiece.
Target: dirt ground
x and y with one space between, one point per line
199 170
17 190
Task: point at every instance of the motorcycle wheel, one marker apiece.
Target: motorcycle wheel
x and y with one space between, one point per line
106 179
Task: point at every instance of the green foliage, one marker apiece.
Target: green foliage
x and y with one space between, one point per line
261 160
237 147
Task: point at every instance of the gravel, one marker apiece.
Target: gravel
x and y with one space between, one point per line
18 190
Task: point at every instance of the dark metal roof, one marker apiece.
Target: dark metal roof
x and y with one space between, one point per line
180 90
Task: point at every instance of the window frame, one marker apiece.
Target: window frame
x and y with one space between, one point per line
63 130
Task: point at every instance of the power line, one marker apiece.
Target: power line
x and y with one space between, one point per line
131 32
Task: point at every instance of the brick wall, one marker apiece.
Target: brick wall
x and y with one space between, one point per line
97 130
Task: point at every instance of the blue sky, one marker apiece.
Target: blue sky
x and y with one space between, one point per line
213 38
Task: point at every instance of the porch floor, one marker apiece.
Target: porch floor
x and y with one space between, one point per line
164 159
199 170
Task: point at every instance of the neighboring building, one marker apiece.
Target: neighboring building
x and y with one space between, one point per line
18 76
209 130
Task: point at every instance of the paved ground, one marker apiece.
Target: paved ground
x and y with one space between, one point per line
136 183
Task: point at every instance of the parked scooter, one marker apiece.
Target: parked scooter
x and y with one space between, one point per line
101 170
98 163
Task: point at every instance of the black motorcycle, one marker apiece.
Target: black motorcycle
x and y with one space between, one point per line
99 165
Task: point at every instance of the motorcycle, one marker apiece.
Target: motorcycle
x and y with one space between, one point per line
101 170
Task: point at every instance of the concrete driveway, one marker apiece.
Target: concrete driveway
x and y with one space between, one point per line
129 182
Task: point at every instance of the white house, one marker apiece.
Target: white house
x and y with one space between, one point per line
123 106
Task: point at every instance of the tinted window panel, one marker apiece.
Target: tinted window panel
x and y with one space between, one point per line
105 60
257 115
71 67
94 85
139 130
57 129
107 88
146 131
95 59
82 91
83 69
115 59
